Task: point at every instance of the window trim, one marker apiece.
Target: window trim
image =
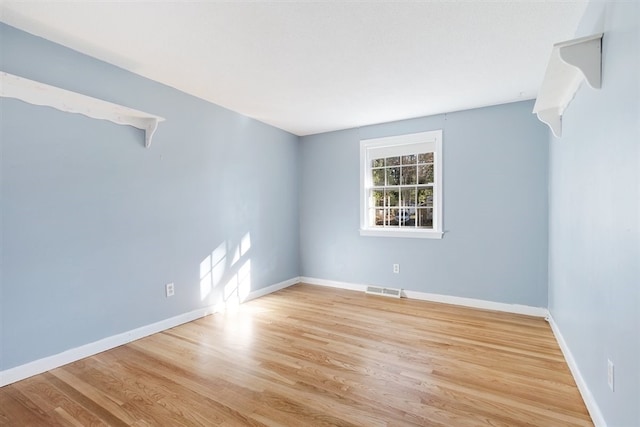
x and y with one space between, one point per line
377 144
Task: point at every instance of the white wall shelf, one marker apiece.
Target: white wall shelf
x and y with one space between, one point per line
571 62
45 95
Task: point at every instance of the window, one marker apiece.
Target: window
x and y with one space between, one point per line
401 186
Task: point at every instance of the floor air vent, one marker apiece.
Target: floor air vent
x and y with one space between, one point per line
387 292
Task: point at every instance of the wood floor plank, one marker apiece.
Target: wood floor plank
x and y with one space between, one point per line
21 411
316 356
87 396
49 398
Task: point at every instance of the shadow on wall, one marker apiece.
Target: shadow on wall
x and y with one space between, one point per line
227 270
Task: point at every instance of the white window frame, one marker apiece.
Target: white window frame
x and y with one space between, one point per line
430 141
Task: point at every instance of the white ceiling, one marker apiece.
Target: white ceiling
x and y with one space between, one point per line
316 66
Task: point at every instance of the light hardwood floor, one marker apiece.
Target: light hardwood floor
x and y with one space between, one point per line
315 356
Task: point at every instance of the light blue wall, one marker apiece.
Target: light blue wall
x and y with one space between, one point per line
594 231
495 210
94 224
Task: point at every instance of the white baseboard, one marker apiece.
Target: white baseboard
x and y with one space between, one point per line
479 303
447 299
587 397
333 284
51 362
39 366
270 289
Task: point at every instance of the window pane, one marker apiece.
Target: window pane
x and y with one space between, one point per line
409 160
377 163
378 177
425 158
430 169
379 217
425 174
393 176
405 217
377 197
425 197
408 175
393 161
424 218
392 198
393 217
408 197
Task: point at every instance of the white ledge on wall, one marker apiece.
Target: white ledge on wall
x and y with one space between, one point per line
571 62
45 95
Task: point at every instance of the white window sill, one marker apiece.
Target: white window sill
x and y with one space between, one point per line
387 232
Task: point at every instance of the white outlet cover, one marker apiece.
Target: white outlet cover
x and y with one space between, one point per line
610 374
169 289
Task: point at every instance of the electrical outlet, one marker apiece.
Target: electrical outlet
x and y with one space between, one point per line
610 374
396 268
169 289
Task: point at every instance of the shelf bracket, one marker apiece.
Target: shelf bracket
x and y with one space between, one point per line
586 56
42 94
571 62
149 130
